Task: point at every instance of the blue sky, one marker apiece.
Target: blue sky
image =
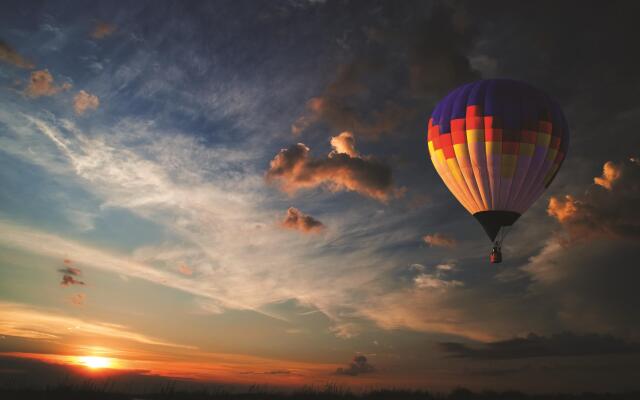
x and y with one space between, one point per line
157 190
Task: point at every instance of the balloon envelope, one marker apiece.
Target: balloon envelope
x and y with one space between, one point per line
497 144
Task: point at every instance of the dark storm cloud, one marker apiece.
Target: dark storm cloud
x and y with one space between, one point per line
294 169
590 276
559 345
296 219
579 51
359 365
405 61
9 55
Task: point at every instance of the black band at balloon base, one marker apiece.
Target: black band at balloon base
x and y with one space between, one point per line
493 220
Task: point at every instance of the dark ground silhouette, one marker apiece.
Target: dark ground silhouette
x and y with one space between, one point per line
102 391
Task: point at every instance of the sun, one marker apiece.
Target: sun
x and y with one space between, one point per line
95 362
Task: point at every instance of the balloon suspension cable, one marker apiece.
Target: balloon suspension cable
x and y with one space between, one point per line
504 231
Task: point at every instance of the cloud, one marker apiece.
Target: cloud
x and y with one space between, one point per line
184 187
296 219
70 271
84 101
374 94
610 174
30 322
586 271
450 266
272 372
340 116
562 209
438 51
184 269
102 30
293 169
78 299
430 281
607 208
9 55
346 330
69 274
359 365
41 84
439 240
565 344
345 143
70 280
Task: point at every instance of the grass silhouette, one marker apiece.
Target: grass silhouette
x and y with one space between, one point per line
91 390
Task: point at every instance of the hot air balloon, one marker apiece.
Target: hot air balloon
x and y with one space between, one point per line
497 144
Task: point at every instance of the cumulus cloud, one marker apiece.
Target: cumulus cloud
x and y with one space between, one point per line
562 209
102 30
439 240
42 84
565 344
84 101
296 219
9 55
610 207
359 365
345 143
610 174
294 169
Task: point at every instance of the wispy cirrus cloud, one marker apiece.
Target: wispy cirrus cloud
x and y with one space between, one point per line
31 322
221 234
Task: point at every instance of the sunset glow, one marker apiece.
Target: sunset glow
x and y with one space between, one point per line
95 362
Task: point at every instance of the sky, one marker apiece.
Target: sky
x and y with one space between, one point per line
240 192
